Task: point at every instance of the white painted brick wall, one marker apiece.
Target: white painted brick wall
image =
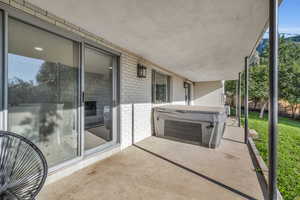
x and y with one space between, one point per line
136 99
177 91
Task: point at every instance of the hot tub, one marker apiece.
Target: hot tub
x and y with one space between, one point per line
194 124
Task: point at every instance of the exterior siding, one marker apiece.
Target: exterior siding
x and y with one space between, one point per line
136 102
209 93
177 91
135 93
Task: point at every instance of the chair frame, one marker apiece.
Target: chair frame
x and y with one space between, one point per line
42 157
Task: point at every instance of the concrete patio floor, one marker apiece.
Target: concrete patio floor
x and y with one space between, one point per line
157 168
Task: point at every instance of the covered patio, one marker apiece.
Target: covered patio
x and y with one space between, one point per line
196 43
157 168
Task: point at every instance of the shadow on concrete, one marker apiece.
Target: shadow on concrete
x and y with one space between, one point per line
232 140
197 173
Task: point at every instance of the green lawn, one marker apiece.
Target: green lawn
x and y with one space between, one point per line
288 152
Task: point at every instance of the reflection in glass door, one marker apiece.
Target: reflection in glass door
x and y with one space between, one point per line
98 98
43 90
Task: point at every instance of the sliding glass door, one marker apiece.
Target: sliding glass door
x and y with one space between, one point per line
59 92
43 77
98 87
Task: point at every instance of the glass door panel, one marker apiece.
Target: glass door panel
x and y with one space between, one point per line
43 90
98 98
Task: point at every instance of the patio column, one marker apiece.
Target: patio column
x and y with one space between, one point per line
238 110
246 100
236 99
273 98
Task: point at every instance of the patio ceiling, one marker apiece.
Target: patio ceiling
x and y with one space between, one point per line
202 40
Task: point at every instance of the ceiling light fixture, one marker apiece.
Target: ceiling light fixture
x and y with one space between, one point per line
38 48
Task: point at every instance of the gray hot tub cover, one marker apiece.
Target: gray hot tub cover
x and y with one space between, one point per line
212 118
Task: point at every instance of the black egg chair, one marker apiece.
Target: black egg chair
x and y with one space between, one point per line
23 168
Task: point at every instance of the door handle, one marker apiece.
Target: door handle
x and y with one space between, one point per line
82 97
114 103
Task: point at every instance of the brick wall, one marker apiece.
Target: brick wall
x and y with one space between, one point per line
135 93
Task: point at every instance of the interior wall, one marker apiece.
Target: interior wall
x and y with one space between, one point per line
208 93
98 89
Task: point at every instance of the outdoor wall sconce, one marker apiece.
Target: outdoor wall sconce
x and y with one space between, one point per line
141 71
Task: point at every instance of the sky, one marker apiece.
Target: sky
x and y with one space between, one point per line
289 18
23 67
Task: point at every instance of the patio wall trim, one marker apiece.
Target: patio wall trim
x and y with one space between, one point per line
75 166
261 164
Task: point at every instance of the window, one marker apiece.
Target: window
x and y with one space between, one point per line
43 90
160 87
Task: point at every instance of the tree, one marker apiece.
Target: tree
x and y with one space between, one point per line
292 89
289 76
258 86
289 59
230 90
20 91
254 59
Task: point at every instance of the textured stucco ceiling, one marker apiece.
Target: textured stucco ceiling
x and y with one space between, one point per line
203 40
